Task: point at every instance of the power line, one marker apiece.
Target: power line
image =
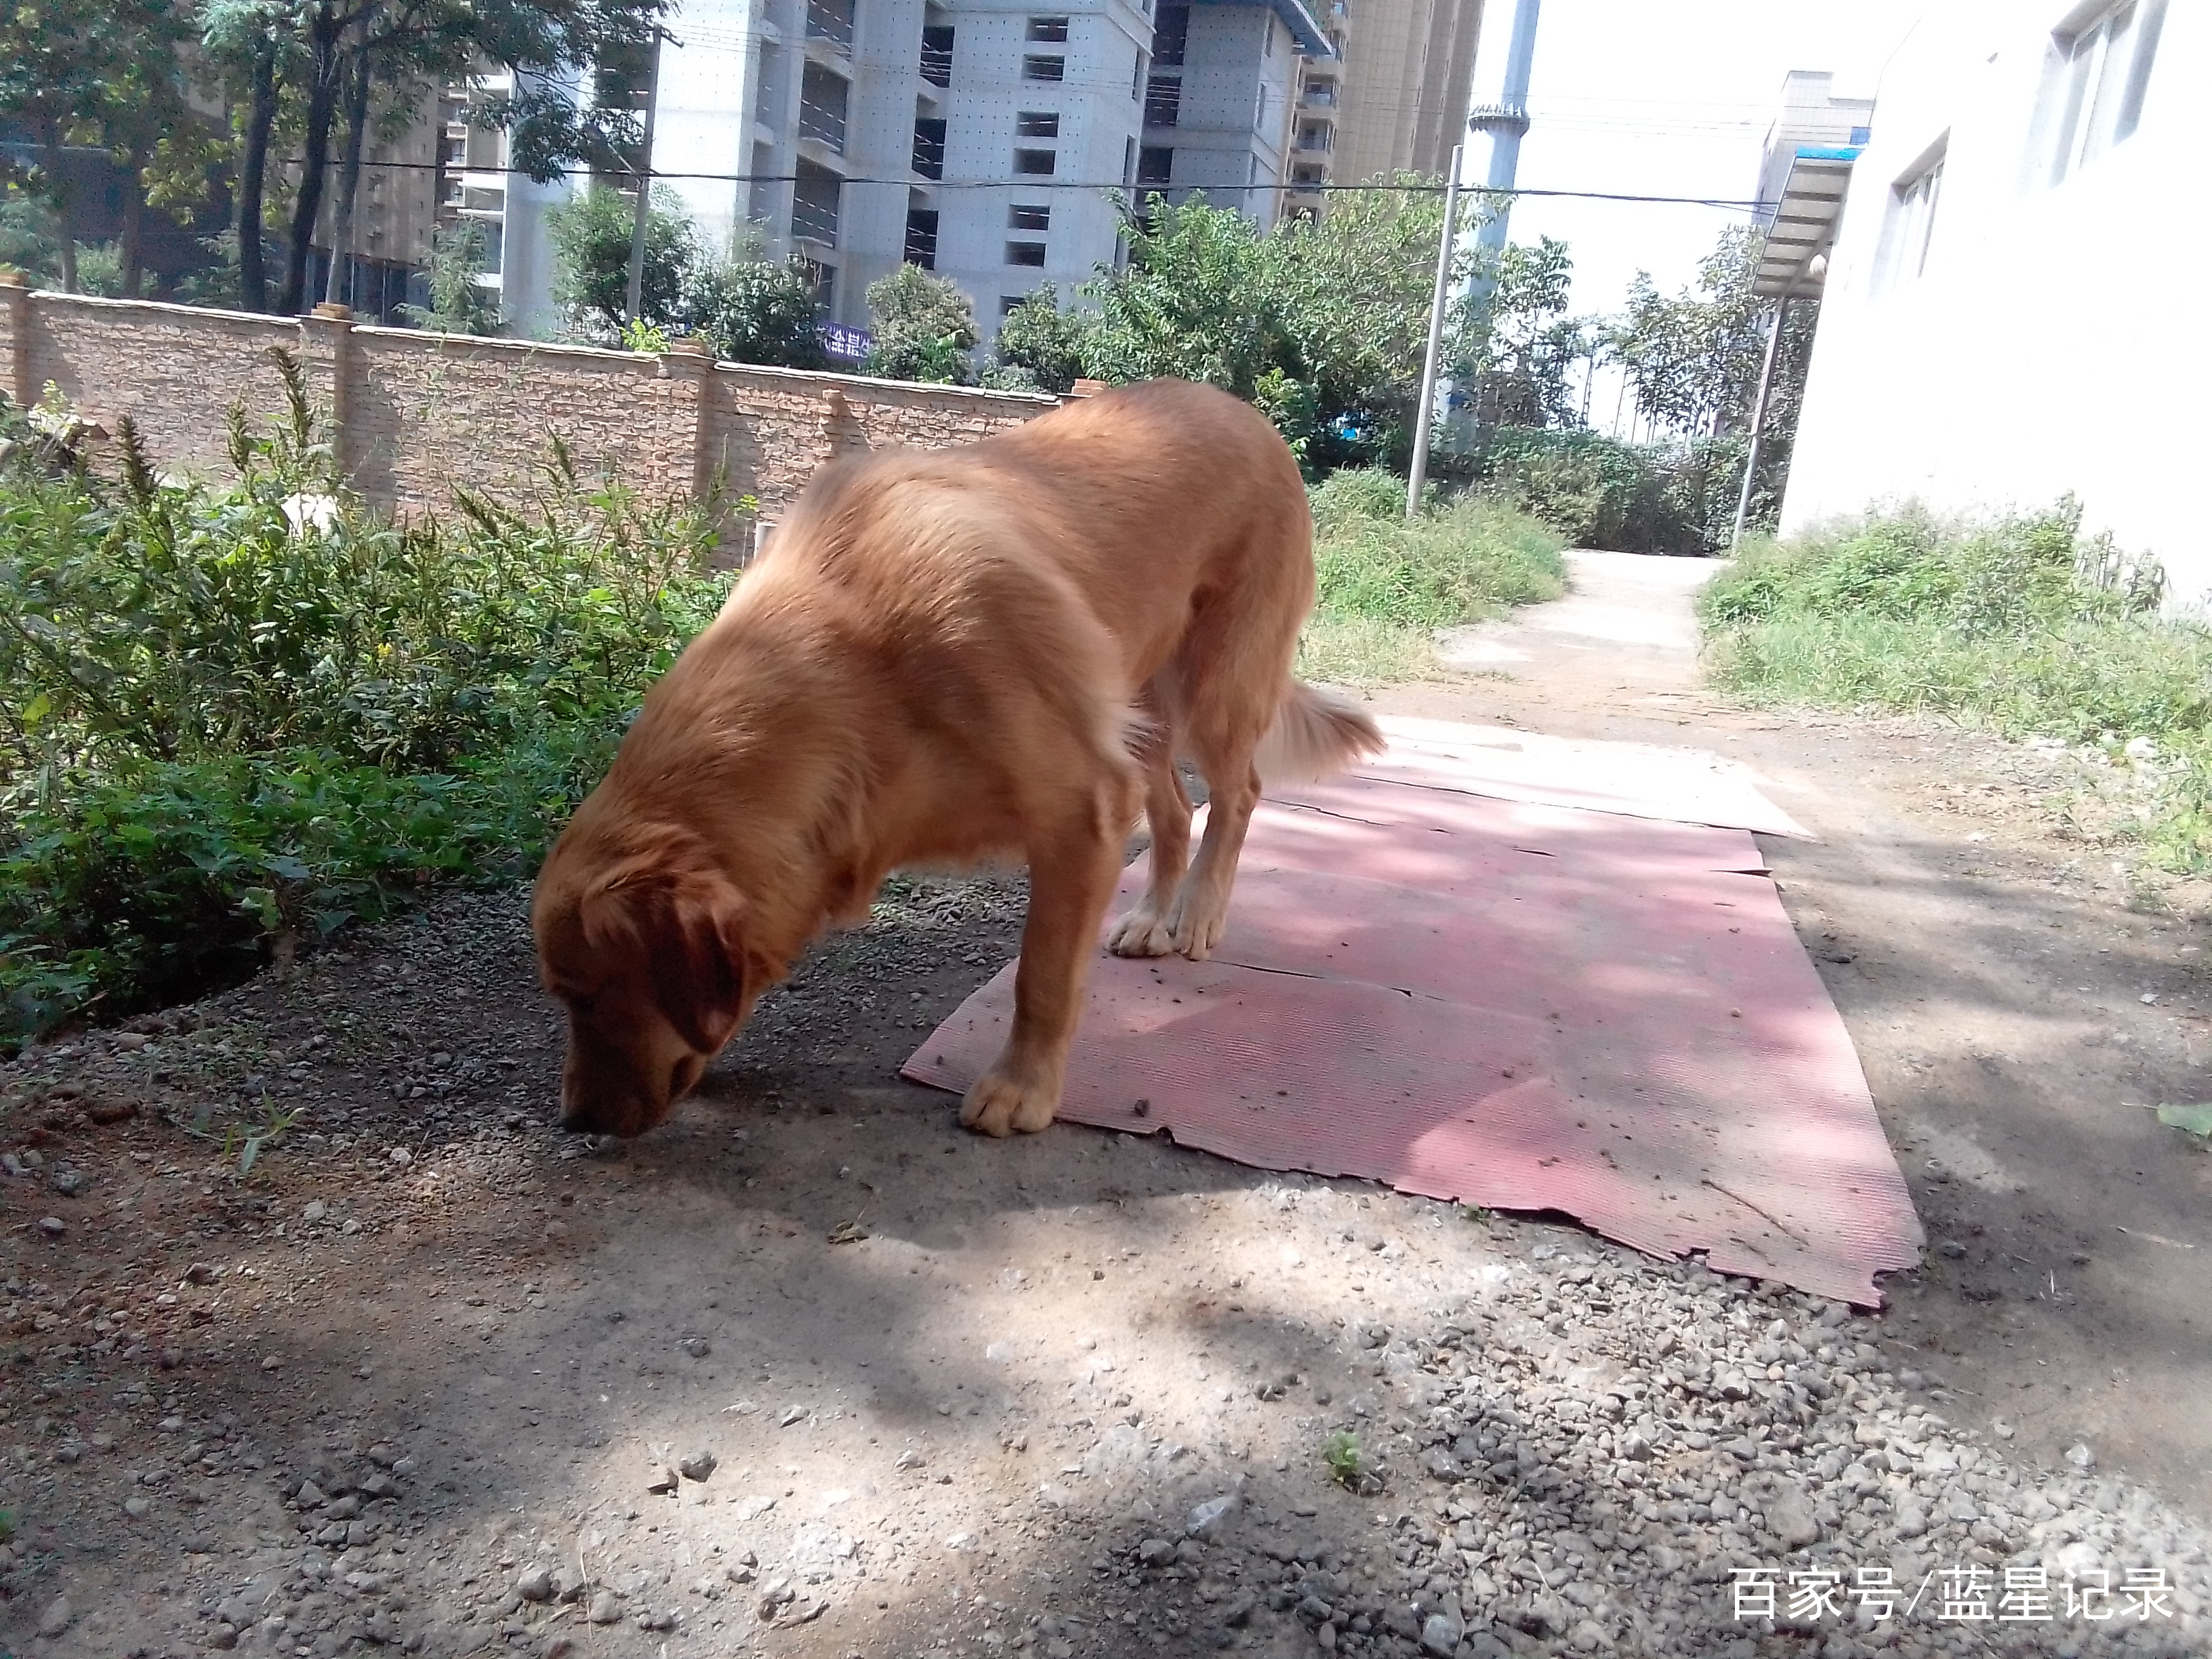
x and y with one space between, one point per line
1744 203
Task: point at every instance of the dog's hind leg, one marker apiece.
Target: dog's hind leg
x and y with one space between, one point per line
1074 864
1143 931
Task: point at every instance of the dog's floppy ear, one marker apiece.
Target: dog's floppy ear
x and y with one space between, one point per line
687 928
699 969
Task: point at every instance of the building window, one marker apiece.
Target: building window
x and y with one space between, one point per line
1047 29
937 54
814 204
1037 124
2094 81
1314 134
921 238
822 102
1035 67
1163 100
1129 162
1902 254
929 147
1025 253
1036 163
1019 218
1154 164
1170 36
1008 302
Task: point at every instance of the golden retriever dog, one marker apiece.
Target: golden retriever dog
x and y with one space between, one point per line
947 656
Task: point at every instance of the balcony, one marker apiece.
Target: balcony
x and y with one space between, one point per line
1319 95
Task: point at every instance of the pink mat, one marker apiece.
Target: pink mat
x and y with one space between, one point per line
1519 1006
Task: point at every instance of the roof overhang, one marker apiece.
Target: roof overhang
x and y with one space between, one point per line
1297 16
1804 225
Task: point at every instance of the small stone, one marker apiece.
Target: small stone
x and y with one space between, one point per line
1440 1635
1156 1552
1790 1517
791 1414
314 1212
2081 1456
310 1496
58 1616
535 1584
70 1182
272 1364
696 1347
137 1508
53 1226
1589 1636
697 1466
1911 1517
604 1609
1209 1520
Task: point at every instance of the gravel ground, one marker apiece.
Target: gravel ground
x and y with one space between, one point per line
810 1371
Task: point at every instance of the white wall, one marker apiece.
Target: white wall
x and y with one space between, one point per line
2055 340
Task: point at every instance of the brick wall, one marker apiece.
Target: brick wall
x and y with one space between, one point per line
417 413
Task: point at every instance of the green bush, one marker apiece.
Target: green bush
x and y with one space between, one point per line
229 713
2018 624
1629 498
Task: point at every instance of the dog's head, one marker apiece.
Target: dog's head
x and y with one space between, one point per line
648 952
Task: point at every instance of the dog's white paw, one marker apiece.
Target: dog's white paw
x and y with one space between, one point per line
1141 933
1194 929
1001 1105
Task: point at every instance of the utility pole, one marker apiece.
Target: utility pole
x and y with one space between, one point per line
644 184
1427 408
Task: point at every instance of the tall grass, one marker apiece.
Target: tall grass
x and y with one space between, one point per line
232 713
2018 624
1384 587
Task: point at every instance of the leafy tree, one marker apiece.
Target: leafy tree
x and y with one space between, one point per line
56 59
924 327
1322 323
458 303
1693 359
247 42
1049 342
1518 346
1197 299
29 238
591 236
754 311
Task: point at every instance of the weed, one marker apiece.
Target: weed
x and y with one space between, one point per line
232 716
1348 1464
1383 586
1477 1214
2020 624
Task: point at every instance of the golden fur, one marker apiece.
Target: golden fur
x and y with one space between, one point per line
945 656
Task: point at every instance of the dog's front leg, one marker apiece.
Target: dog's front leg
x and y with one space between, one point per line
1072 878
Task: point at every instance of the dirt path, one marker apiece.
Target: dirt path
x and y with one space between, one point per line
2015 1006
415 1379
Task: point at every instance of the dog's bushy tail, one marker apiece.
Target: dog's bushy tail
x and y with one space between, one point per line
1315 733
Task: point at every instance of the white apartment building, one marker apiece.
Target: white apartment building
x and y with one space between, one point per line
981 139
2010 309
